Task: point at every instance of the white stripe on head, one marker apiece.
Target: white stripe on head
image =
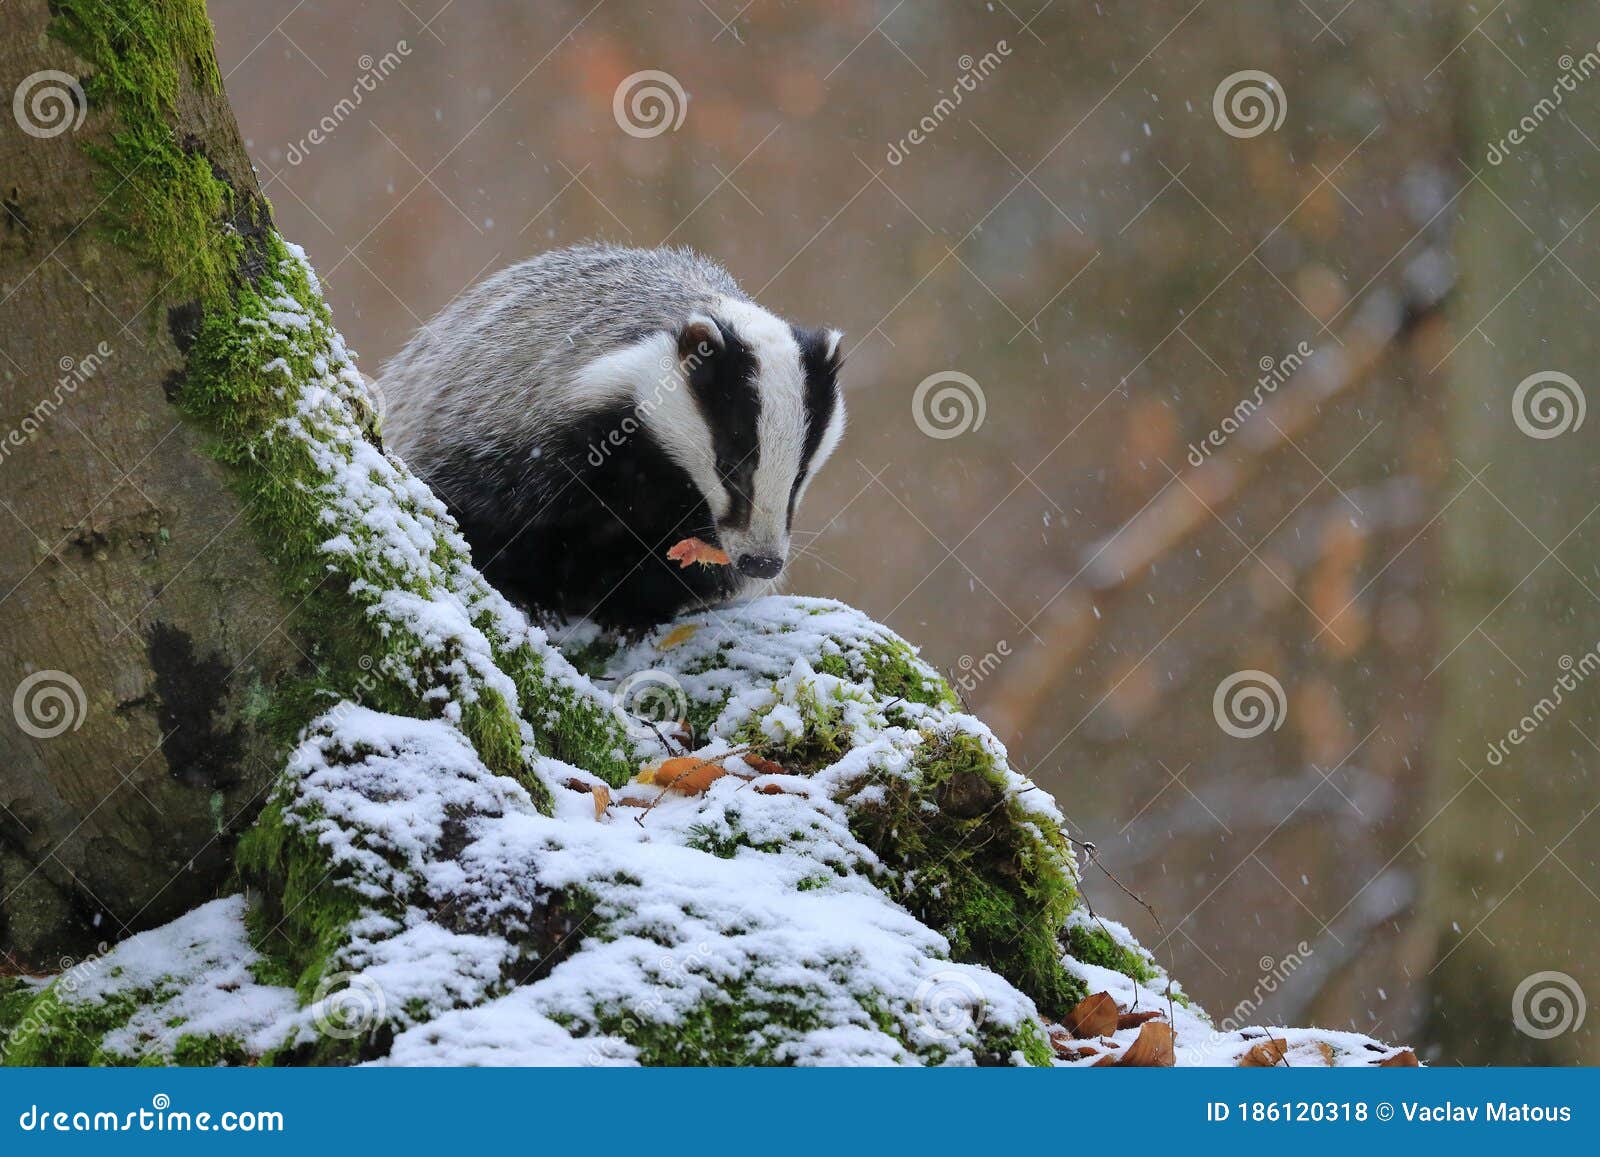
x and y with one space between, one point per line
649 374
781 433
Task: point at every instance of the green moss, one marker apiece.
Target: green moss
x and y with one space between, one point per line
731 1028
16 994
1028 1041
197 1051
302 917
56 1029
592 654
567 725
1096 946
161 198
739 1026
895 671
969 860
824 736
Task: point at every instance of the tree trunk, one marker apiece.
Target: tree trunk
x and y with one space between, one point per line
140 624
1513 851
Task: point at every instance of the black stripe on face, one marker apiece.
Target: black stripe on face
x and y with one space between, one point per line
723 386
821 400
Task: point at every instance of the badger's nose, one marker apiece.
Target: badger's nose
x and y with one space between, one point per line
761 566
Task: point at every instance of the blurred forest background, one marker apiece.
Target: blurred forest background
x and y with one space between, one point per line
1115 261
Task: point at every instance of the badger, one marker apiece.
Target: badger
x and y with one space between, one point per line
591 411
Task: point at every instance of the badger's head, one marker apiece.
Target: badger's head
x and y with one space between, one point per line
751 410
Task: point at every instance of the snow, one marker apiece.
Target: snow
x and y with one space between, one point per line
490 933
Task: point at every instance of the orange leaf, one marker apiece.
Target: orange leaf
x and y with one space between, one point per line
678 635
1326 1050
602 799
1404 1059
685 774
1152 1049
692 550
1093 1016
1265 1055
762 765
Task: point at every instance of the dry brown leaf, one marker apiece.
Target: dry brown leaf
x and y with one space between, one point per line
678 636
1265 1055
684 774
1326 1050
1094 1015
1108 1059
602 799
1152 1048
762 765
1135 1019
693 550
1404 1059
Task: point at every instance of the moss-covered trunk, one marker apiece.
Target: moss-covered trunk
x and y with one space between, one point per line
1513 851
217 550
140 623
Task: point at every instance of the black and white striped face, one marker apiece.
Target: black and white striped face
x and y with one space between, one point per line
759 413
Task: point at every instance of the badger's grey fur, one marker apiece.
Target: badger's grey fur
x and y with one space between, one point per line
583 411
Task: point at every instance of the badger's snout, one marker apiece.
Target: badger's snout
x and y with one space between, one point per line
759 566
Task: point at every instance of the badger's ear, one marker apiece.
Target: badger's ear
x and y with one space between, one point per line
834 345
700 339
821 351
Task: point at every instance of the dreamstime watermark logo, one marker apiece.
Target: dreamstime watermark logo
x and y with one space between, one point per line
649 103
1249 103
1576 671
48 103
74 373
1573 72
70 979
973 73
1249 703
948 404
373 73
347 1005
646 700
1548 1004
49 703
950 1005
1274 372
1548 404
672 371
975 671
1274 974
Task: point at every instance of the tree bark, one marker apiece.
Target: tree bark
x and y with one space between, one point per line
1513 849
140 623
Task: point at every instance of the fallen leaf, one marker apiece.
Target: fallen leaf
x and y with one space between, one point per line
1404 1059
1093 1016
1265 1055
762 765
1152 1048
1135 1019
1108 1059
692 550
684 774
772 789
1326 1050
679 635
602 799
